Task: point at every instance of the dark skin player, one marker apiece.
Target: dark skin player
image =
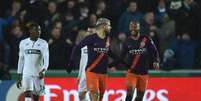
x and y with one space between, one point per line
34 31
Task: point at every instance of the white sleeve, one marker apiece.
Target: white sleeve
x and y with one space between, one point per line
80 72
45 55
21 59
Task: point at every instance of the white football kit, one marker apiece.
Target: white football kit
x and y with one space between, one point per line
82 86
83 63
33 57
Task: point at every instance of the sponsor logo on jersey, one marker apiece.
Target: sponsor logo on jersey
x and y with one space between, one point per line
137 51
32 51
101 50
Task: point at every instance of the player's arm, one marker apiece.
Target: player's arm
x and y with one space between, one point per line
79 74
76 52
20 65
155 59
73 58
45 55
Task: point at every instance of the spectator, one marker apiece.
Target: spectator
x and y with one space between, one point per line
13 41
68 6
83 11
70 26
90 22
4 22
4 72
21 17
1 51
169 62
101 9
15 9
52 14
131 13
149 28
172 8
185 17
161 13
9 19
59 48
35 11
88 28
116 7
166 26
185 51
147 5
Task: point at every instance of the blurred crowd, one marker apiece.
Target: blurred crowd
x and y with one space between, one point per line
174 25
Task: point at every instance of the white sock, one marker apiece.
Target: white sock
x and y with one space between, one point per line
28 99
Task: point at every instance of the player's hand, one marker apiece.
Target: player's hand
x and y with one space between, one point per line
69 67
19 81
156 65
42 74
19 84
113 69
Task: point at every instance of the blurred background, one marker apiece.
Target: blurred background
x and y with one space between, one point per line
174 25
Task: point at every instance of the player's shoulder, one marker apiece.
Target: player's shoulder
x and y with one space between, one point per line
89 37
42 41
146 37
24 41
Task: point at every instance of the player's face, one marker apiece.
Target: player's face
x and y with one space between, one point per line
35 32
134 28
108 27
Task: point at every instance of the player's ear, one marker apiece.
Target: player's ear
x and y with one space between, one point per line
104 26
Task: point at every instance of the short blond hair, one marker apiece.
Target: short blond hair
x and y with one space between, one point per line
101 21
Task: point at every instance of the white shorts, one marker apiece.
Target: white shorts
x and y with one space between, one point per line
34 84
82 86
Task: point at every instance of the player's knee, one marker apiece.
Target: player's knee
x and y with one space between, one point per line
27 93
94 95
82 95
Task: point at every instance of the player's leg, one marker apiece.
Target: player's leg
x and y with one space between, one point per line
130 92
87 97
27 85
36 97
131 81
94 95
102 85
141 86
82 88
82 95
92 86
39 88
28 95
